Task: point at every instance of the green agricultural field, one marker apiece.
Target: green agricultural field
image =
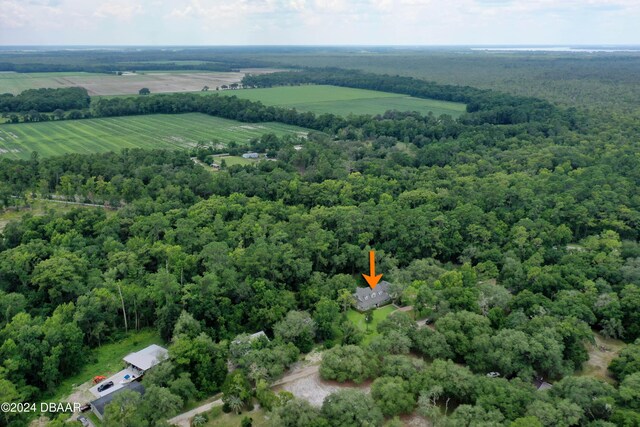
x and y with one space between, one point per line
115 133
343 100
128 84
18 82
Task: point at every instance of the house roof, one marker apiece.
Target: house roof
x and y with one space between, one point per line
258 335
545 386
251 337
99 404
541 384
367 298
147 357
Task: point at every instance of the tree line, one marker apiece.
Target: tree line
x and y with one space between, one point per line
45 100
110 61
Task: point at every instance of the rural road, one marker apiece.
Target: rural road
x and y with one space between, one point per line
183 420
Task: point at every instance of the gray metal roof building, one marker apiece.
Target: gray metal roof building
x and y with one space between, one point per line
367 298
147 357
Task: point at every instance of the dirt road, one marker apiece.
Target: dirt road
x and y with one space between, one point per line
300 372
184 420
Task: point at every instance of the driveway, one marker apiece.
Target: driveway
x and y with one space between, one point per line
117 383
302 370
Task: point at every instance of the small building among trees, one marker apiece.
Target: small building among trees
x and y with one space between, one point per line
541 384
148 357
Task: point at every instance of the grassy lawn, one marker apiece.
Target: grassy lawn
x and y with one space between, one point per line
106 360
379 314
94 419
233 420
343 100
234 160
112 134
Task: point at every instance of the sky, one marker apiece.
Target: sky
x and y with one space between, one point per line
319 22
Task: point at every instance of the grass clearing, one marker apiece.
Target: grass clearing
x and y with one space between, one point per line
370 329
600 356
105 360
169 131
344 100
38 208
233 420
233 160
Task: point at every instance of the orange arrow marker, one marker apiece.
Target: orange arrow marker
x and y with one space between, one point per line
372 279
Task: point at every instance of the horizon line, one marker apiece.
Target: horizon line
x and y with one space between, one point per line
338 45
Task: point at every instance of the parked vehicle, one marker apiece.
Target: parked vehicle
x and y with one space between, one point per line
104 386
84 421
85 408
127 379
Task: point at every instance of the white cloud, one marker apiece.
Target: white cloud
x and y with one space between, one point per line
320 21
17 14
12 14
121 10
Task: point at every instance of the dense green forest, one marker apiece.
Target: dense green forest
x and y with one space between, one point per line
110 61
513 229
591 80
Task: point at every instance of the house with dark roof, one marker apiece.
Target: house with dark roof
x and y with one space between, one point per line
541 384
367 298
98 405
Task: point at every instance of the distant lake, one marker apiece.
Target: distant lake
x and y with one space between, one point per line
560 49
